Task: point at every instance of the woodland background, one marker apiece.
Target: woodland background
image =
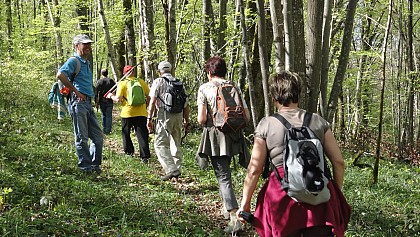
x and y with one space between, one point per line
359 61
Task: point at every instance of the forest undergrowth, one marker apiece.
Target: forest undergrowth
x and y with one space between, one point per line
42 193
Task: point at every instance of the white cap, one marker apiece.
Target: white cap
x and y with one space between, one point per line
164 66
81 39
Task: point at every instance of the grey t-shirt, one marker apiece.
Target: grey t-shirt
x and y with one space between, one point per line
272 131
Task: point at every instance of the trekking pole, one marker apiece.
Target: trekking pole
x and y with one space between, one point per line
122 78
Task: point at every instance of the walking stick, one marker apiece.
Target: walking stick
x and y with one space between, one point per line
122 78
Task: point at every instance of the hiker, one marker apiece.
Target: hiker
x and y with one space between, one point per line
167 140
85 123
106 105
219 146
133 112
276 213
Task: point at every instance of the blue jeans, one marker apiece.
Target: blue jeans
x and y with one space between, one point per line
85 125
106 109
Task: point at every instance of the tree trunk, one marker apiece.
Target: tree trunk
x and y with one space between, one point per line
54 14
325 56
235 44
221 41
173 48
381 105
208 24
170 31
246 58
9 28
278 31
262 47
111 54
299 50
147 38
412 75
129 33
288 35
314 39
343 59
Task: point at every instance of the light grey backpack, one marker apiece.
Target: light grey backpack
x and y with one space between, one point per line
306 173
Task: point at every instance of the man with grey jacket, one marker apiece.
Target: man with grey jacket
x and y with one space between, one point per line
169 125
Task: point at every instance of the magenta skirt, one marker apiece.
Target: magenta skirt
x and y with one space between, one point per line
277 214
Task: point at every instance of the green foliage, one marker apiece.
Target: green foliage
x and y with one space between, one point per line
389 208
51 197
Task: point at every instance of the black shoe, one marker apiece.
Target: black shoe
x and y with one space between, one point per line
96 169
168 176
176 174
145 160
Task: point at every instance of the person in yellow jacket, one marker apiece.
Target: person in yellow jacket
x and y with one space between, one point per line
133 116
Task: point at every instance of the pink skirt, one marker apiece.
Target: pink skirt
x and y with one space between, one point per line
277 214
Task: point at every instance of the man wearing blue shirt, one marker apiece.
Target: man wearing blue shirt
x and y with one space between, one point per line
80 107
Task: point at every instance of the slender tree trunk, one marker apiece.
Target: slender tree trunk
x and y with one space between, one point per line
326 28
170 30
235 44
278 31
208 23
343 59
288 35
381 106
111 54
129 33
246 58
54 14
173 48
221 41
314 39
412 76
299 49
147 38
9 28
262 47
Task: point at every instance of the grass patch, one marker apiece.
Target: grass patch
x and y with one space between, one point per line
43 194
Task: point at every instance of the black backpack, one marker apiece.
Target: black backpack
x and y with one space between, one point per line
306 173
175 97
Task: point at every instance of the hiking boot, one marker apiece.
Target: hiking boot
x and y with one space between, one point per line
96 169
233 227
224 213
168 176
176 174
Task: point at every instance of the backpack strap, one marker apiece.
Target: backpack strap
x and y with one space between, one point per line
282 120
307 119
76 70
167 81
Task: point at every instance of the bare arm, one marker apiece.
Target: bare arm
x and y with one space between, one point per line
255 168
333 152
151 111
202 114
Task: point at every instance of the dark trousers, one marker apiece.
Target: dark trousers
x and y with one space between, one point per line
142 134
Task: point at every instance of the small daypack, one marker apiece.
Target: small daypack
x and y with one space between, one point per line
175 97
135 93
229 116
306 173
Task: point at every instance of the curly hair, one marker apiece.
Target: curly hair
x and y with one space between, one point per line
216 66
285 87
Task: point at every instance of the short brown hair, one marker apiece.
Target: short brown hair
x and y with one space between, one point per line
285 87
216 65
